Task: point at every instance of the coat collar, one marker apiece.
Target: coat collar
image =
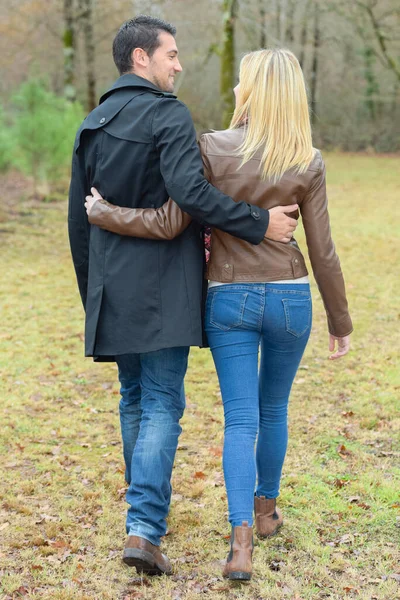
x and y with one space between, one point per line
129 80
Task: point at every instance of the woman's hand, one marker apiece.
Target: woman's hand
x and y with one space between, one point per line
90 200
343 346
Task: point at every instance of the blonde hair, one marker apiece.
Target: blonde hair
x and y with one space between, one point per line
272 104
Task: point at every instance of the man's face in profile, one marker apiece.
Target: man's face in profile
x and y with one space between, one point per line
164 65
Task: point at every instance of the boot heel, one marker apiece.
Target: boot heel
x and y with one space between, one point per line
239 576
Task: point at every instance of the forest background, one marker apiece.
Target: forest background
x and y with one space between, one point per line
55 60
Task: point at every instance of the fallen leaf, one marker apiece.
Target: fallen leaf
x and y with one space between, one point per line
176 497
65 555
346 539
21 591
275 565
339 483
342 450
59 544
216 451
350 588
200 475
218 479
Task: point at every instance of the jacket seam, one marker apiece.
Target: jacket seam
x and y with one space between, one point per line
314 181
157 105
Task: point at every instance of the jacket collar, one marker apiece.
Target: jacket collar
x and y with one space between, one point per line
129 80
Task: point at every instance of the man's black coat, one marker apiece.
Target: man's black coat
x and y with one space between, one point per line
137 148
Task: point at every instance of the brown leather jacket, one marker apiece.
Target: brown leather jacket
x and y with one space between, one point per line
234 260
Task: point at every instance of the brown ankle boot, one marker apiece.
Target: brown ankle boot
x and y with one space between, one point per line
268 516
146 557
238 564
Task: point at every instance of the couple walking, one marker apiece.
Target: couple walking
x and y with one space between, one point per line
139 258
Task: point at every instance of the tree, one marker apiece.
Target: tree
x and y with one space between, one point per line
43 131
228 60
263 31
303 34
314 67
289 32
372 88
381 34
69 50
87 31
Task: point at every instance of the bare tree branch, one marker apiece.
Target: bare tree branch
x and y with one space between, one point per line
380 36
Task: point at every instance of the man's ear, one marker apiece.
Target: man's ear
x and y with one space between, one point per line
140 58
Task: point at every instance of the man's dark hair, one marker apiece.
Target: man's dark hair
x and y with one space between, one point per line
140 32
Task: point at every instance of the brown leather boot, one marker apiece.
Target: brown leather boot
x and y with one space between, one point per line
268 516
146 557
238 564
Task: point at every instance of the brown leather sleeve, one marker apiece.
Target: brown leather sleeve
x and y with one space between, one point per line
324 260
165 223
206 163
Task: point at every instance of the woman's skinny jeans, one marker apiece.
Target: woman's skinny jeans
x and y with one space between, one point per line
239 319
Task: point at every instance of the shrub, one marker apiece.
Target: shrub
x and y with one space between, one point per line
6 143
43 131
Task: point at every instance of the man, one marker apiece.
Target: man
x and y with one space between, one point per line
143 298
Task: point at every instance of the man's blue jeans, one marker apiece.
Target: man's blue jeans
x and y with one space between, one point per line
239 319
152 403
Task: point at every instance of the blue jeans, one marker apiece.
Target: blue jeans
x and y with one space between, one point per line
241 318
152 403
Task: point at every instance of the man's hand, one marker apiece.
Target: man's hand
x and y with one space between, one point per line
90 200
281 227
343 346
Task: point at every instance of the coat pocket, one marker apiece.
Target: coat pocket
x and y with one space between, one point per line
297 315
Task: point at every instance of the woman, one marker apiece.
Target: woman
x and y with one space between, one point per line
258 296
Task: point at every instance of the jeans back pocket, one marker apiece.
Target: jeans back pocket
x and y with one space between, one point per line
297 315
227 308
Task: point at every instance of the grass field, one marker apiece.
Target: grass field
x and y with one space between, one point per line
62 507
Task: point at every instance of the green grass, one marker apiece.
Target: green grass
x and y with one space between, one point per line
62 507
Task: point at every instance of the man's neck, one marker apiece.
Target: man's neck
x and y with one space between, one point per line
143 76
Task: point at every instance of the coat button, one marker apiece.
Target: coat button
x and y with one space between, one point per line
226 266
255 215
295 261
102 120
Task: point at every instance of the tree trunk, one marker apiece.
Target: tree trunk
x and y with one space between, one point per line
303 36
314 68
69 51
86 19
395 106
372 88
278 20
289 33
263 31
228 61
